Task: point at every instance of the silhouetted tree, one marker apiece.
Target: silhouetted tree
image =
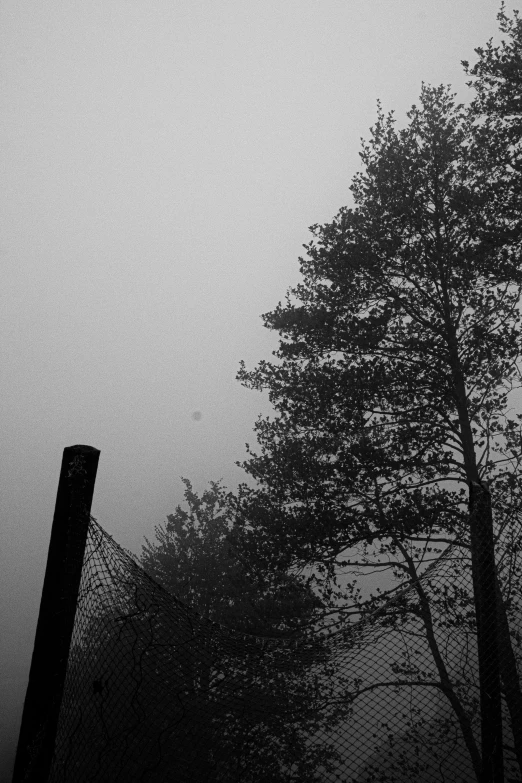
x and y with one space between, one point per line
195 559
398 350
263 733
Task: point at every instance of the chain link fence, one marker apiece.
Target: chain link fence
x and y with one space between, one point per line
155 692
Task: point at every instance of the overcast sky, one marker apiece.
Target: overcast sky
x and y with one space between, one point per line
161 162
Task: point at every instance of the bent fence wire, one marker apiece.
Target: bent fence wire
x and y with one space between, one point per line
155 692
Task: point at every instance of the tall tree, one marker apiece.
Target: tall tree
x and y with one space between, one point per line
398 351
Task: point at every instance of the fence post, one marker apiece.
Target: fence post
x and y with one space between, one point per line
56 617
488 627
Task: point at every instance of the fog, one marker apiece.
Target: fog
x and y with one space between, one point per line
161 162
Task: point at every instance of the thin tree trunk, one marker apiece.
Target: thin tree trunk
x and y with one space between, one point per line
510 678
484 582
446 685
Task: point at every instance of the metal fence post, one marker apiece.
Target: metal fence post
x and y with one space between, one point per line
56 617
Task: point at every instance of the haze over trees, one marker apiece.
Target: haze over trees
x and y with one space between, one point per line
399 350
249 738
194 559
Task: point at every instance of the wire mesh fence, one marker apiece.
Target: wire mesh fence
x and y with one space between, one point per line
155 692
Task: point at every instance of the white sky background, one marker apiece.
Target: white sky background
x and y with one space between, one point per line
161 162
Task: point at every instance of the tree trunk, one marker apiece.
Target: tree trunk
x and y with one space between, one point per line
491 615
510 678
484 582
445 681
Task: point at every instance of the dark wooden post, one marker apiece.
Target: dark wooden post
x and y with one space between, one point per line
56 618
488 627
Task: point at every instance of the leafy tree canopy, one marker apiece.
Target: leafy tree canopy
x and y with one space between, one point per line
398 350
498 72
195 559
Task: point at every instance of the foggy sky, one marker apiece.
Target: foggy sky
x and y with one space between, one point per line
161 162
